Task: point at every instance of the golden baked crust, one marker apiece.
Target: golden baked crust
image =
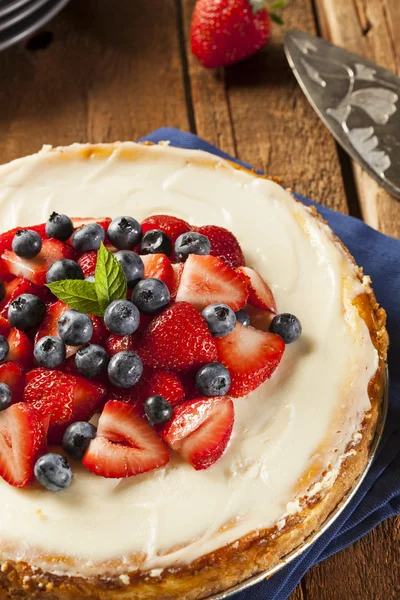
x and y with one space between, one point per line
258 551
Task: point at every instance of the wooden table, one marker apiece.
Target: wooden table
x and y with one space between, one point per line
105 71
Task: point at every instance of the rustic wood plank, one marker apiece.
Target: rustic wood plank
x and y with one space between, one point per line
370 28
257 111
107 75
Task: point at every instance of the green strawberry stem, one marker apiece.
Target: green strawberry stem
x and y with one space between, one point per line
257 5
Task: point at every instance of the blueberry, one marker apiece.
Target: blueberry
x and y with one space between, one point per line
26 311
213 380
124 233
151 295
132 265
191 243
2 290
91 360
59 227
243 317
5 396
4 348
77 438
88 237
122 317
53 472
287 326
75 328
125 369
64 269
27 243
157 410
50 352
156 242
220 318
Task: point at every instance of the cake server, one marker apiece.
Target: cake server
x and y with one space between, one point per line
357 100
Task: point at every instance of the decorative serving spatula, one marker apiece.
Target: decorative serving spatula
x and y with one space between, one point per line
357 100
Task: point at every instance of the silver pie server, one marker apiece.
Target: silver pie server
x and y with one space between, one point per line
357 100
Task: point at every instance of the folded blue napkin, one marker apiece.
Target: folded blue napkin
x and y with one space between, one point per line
379 495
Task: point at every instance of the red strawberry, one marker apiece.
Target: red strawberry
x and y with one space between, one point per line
87 262
21 348
125 444
19 286
260 294
250 355
63 396
207 279
80 221
177 339
159 267
13 374
224 32
100 333
4 326
172 226
177 269
7 237
224 245
118 343
153 383
22 440
200 430
35 269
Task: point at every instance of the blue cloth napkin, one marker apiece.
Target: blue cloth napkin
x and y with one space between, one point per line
379 495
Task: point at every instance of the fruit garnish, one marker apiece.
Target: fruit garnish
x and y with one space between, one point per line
7 237
213 380
118 343
158 266
170 225
151 296
191 243
155 241
53 472
125 369
87 263
19 286
4 327
224 245
21 348
13 375
156 382
124 233
287 326
157 410
26 312
220 318
176 279
260 294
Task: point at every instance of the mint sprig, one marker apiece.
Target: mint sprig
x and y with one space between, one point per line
94 297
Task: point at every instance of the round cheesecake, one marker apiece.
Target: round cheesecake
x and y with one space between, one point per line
299 441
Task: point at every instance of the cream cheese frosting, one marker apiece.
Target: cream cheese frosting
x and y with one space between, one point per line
297 424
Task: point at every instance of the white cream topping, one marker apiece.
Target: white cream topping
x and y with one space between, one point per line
303 418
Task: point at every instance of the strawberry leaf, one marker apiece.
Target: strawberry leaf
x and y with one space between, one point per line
276 18
78 294
109 278
277 5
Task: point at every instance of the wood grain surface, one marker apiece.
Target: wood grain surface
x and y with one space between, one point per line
104 71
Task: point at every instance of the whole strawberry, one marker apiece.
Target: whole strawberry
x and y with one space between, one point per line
224 32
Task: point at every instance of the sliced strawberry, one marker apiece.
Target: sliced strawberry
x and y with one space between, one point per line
19 286
172 226
207 279
200 430
250 355
13 374
88 262
22 440
177 269
177 339
7 237
152 383
4 326
158 266
118 343
224 245
260 294
80 221
35 269
21 348
125 444
100 333
63 396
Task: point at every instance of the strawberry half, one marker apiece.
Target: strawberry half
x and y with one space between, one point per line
118 343
260 294
7 237
80 221
22 440
224 245
152 383
207 280
19 286
4 326
13 374
87 263
125 444
177 270
177 339
250 355
66 398
21 348
172 226
158 266
200 430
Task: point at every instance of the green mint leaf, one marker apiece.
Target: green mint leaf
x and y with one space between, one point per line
276 18
78 294
277 5
110 280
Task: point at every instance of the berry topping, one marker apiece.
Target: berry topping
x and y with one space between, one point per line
91 360
191 243
27 243
220 318
6 238
87 263
177 339
26 312
125 369
4 348
77 438
124 233
207 280
259 293
88 237
250 355
13 374
5 396
122 317
50 352
200 430
21 349
117 343
151 296
224 245
125 444
2 290
157 410
132 266
64 269
59 227
19 286
75 328
172 226
158 383
158 266
177 269
53 472
213 380
287 326
156 242
4 327
243 317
